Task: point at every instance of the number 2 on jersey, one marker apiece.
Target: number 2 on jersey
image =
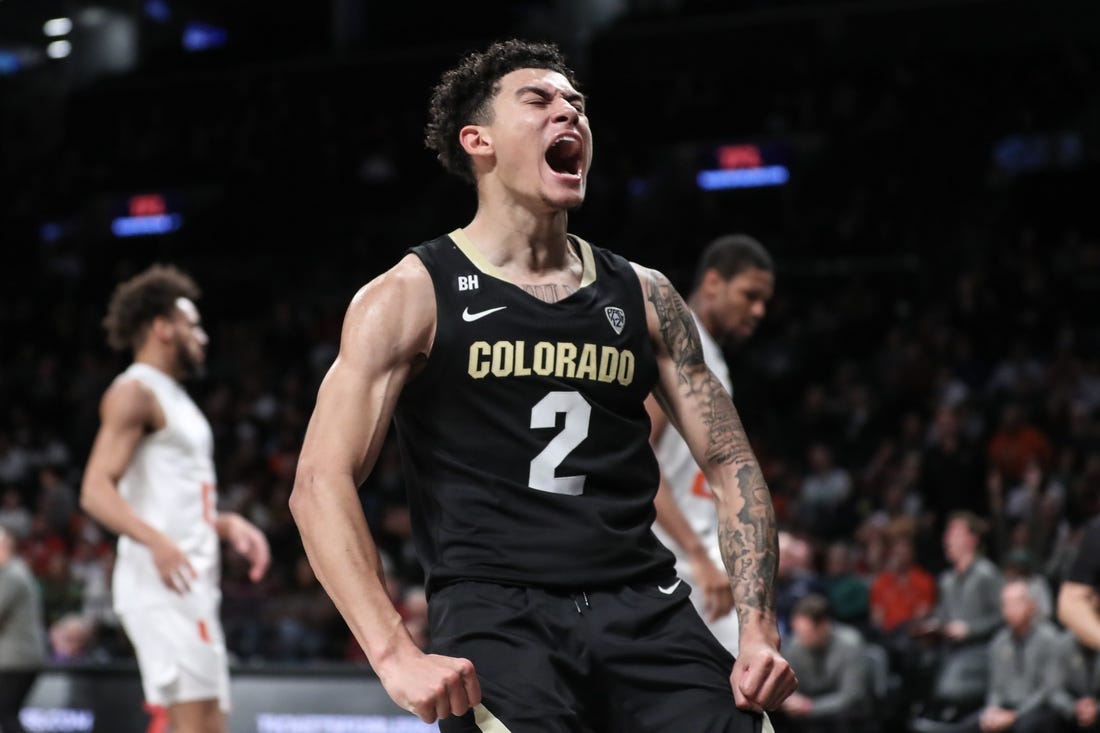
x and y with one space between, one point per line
545 415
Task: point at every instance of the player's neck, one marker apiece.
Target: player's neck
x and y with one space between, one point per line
159 360
513 235
704 316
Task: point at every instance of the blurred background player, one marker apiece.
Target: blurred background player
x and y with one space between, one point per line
733 284
150 478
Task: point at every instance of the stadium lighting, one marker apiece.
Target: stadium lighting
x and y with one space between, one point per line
158 10
9 62
55 27
203 36
59 49
142 226
716 180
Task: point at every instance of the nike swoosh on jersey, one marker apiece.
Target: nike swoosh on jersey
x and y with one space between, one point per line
668 591
471 317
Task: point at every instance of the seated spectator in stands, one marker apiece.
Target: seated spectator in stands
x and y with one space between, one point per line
951 467
1016 444
825 491
22 638
969 591
902 597
846 590
14 516
41 545
1077 685
795 579
1023 656
903 592
61 592
832 676
71 638
304 618
1019 566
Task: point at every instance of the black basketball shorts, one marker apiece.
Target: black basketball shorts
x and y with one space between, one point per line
637 659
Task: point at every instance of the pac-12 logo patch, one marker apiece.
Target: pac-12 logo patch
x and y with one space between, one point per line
616 318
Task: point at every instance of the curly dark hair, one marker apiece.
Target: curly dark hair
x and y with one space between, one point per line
464 95
137 301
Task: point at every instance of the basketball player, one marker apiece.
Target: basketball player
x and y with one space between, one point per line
515 360
150 478
733 285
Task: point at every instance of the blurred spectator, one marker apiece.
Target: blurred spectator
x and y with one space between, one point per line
825 490
61 592
1077 685
1023 656
1018 565
71 639
15 517
832 676
846 591
304 618
795 579
15 461
42 545
22 638
903 592
969 608
1016 444
951 470
56 500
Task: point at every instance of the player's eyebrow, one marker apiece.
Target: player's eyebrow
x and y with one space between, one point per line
570 96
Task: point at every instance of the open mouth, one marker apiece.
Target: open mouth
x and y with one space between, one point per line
565 156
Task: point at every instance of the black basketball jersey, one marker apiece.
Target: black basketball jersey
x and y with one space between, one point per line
525 440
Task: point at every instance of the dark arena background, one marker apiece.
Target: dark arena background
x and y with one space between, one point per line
926 174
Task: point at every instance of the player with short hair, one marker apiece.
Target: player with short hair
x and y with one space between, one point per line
734 282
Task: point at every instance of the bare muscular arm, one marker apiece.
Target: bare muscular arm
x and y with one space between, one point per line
696 402
389 326
127 412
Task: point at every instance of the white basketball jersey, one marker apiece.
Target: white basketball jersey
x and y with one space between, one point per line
692 493
170 484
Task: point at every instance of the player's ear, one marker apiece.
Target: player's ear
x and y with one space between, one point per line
476 141
161 328
712 281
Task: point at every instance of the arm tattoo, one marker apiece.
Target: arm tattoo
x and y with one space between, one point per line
549 293
746 532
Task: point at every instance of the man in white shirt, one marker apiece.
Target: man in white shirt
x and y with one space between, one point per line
734 282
